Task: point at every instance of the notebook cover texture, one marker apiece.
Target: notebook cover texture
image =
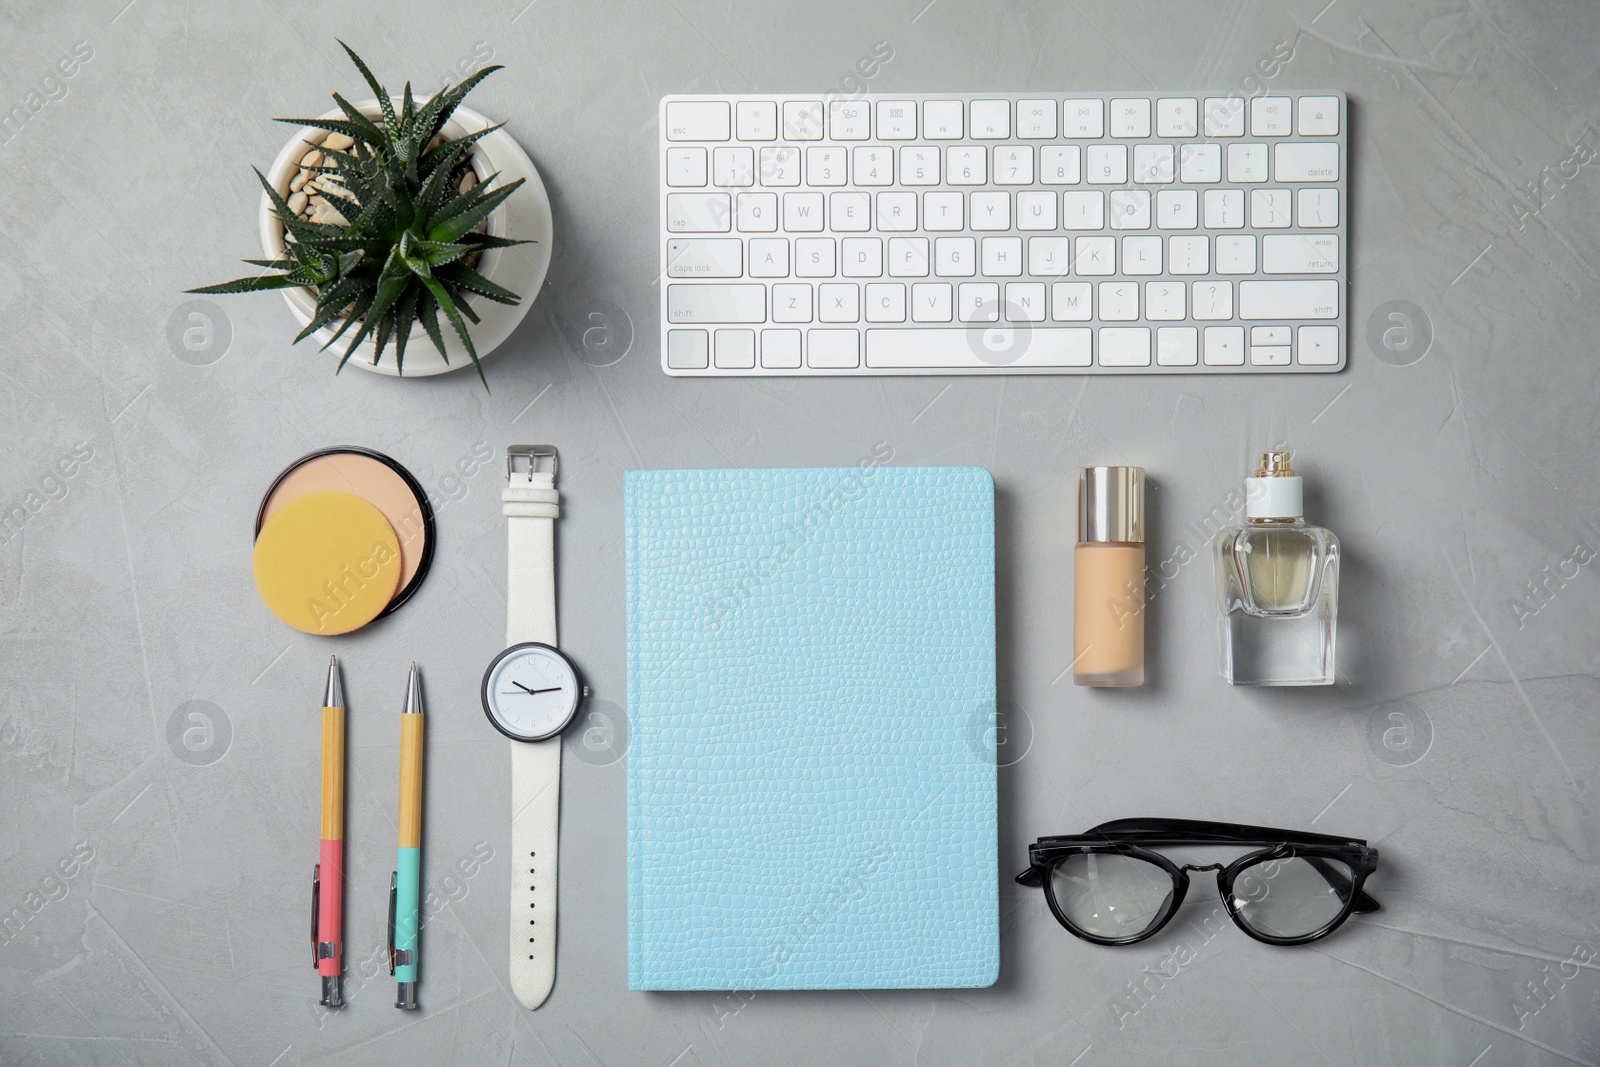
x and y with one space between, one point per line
811 744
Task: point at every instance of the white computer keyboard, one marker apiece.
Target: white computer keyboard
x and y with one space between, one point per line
1003 233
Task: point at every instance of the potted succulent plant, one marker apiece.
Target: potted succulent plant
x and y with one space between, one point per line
388 221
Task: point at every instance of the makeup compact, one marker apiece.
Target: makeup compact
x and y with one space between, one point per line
343 536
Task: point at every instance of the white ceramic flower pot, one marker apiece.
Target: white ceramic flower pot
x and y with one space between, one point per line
524 215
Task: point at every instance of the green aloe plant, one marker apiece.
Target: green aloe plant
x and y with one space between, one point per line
401 257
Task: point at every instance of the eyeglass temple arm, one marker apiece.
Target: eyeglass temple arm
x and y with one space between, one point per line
1197 831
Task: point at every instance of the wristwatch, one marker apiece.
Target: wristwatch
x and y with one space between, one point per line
530 693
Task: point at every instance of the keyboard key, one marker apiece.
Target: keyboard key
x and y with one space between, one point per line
1177 117
1269 355
874 166
1300 253
848 121
1177 346
850 212
802 120
1269 208
686 167
791 303
955 257
1036 211
1318 207
1130 209
1247 163
932 302
1036 119
978 302
699 212
1200 163
1154 164
1271 116
802 212
886 302
833 349
709 258
1224 116
780 165
991 211
1130 117
1083 211
1269 335
1300 161
687 349
1071 301
1141 255
733 167
897 120
862 257
1060 164
1107 164
769 257
943 211
757 212
966 166
697 120
756 120
1319 117
780 349
1319 346
1002 257
736 349
826 166
1013 166
1095 255
1224 209
1083 118
1289 300
1119 301
953 348
897 212
814 257
1048 257
941 120
1124 346
716 303
1236 253
991 119
1211 301
908 257
1224 346
919 166
1025 301
1165 301
838 302
1188 255
1177 209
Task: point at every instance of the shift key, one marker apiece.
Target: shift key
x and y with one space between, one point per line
716 303
1288 300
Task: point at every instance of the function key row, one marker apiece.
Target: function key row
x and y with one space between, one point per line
1041 119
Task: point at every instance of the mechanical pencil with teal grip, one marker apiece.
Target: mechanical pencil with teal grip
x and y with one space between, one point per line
405 887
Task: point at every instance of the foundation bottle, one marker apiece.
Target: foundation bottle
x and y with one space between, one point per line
1108 578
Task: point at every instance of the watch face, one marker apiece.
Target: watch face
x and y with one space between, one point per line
530 692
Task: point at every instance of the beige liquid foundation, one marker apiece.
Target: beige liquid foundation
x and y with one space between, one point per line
1108 582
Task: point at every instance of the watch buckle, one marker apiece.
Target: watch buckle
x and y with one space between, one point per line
531 453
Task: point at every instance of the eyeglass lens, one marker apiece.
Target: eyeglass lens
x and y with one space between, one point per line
1110 895
1292 897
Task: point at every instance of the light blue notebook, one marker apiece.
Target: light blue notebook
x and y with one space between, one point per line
811 698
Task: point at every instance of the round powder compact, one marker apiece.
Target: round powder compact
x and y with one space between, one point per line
327 562
377 479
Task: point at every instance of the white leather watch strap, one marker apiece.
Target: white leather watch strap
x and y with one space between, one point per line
531 506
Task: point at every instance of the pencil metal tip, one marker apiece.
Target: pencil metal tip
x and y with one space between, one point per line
333 696
413 693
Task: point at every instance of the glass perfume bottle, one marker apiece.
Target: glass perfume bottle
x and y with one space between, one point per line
1277 585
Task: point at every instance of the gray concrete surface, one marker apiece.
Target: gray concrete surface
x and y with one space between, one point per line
1459 472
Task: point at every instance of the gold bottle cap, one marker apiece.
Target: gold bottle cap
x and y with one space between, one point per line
1274 465
1111 504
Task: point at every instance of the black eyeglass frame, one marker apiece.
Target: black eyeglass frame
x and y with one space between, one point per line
1138 838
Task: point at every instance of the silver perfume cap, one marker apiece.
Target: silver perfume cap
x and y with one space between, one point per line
1111 504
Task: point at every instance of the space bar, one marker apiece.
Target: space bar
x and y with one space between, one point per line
977 347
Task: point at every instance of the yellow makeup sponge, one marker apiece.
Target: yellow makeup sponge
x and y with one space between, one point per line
327 563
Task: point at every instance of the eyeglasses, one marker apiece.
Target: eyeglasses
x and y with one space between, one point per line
1109 886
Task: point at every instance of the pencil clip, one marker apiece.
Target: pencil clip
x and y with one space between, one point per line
392 892
316 893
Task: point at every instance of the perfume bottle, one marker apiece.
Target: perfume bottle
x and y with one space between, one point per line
1108 578
1277 585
